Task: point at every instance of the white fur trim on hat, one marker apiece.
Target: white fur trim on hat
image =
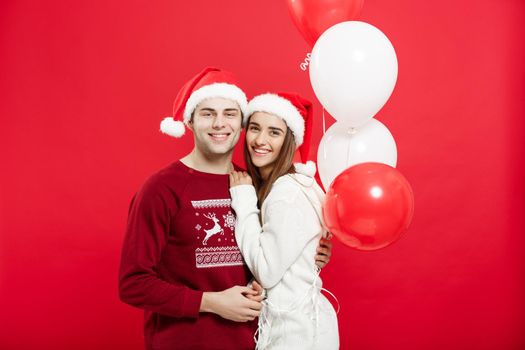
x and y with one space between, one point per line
223 90
172 127
308 168
281 107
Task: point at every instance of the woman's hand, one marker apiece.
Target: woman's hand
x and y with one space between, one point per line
240 178
259 289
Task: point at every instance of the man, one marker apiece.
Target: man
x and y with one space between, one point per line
180 262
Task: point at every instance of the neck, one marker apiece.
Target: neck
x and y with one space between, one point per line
209 163
265 172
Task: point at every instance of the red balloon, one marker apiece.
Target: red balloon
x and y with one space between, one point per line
313 17
368 206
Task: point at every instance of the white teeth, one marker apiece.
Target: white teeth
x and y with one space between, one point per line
261 151
219 136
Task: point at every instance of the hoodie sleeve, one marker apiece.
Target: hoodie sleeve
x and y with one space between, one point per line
290 223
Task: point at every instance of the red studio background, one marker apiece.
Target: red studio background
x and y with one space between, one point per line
84 85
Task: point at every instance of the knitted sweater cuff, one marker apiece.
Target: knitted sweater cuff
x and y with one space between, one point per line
244 199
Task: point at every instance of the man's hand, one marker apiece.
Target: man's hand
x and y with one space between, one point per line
240 178
232 304
324 252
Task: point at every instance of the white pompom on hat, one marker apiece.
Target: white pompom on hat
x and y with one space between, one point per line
295 110
209 83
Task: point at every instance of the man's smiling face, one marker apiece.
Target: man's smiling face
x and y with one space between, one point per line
216 126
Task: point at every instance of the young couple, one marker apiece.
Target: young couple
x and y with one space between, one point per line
199 229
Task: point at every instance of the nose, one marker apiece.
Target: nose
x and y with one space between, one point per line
260 140
218 121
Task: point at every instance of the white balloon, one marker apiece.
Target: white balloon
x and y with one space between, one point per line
343 146
353 71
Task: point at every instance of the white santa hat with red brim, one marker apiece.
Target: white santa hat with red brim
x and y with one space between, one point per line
209 83
295 110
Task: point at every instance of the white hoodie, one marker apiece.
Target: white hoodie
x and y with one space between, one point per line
281 256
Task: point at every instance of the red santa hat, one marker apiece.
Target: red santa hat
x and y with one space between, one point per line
210 83
295 110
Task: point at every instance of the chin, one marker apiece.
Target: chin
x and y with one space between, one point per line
259 163
224 149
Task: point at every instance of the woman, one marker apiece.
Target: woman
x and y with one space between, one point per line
280 251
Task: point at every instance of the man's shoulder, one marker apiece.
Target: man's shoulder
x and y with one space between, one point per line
172 170
167 178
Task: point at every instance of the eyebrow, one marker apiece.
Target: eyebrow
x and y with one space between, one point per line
276 128
208 109
270 127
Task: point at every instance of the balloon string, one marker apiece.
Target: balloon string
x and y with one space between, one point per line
304 65
335 298
324 132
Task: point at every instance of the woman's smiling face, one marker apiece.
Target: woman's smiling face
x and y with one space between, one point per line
265 135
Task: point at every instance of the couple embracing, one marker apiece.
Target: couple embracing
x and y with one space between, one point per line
221 258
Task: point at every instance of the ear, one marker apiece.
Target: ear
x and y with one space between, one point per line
189 124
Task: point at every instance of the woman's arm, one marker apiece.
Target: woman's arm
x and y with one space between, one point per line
290 223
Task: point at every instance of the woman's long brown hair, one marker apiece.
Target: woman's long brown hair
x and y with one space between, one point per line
282 165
